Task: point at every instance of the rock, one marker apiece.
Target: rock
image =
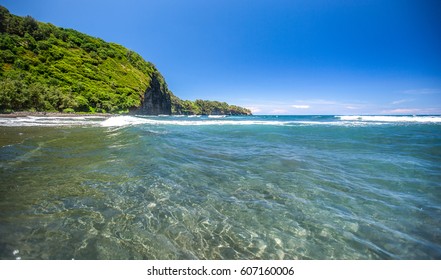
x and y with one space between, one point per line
156 99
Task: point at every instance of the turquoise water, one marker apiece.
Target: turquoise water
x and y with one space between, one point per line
259 187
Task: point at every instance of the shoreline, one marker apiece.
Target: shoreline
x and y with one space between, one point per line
54 114
23 114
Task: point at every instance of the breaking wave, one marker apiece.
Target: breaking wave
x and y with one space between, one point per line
52 121
129 120
121 121
393 119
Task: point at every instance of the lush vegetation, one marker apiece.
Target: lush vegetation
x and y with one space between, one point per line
205 107
47 68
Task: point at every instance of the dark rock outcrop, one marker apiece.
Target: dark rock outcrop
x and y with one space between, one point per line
156 99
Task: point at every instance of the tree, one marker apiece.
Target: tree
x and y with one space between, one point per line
30 42
36 93
30 25
7 56
12 96
4 17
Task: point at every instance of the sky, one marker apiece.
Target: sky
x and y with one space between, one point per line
275 56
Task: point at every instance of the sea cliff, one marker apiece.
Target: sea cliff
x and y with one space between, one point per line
156 99
44 68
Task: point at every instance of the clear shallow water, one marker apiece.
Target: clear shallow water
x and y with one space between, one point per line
261 187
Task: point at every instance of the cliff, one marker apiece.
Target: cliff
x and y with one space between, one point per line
156 99
45 68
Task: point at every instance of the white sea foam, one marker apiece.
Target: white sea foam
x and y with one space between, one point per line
121 121
131 120
392 119
50 121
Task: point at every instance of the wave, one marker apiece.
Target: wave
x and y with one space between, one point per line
52 121
272 121
392 119
122 121
130 120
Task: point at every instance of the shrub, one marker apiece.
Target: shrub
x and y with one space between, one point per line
69 110
7 56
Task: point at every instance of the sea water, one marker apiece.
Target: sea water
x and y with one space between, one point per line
191 187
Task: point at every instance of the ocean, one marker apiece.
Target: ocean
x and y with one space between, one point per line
224 187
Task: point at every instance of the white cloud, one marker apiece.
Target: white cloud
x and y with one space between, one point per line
300 106
254 109
310 106
402 111
401 101
413 111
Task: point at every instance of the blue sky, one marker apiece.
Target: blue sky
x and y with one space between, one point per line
275 56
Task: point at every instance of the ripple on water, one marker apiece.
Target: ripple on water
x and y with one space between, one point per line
158 190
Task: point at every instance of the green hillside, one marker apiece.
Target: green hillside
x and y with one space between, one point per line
205 107
48 68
